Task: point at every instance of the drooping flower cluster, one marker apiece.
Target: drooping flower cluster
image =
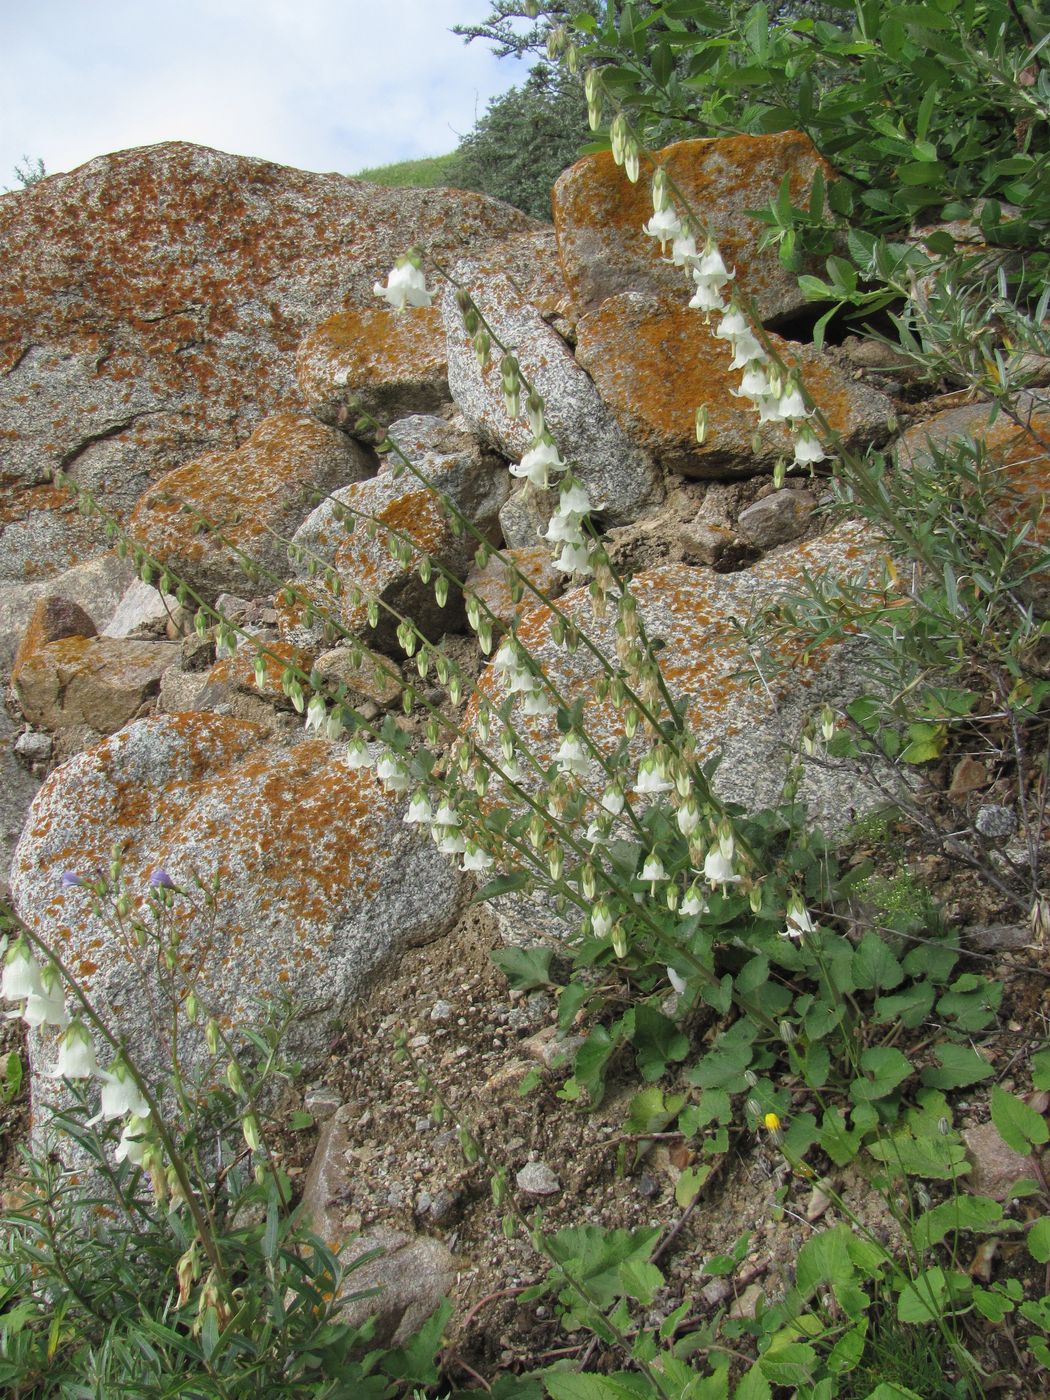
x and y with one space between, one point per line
566 529
776 396
39 989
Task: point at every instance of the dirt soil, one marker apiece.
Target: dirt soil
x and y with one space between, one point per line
478 1042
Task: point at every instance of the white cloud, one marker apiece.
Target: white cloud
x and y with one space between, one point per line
321 84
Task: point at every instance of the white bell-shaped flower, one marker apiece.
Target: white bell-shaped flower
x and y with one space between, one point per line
405 286
694 902
564 529
683 250
574 500
653 869
419 809
357 754
133 1142
572 757
733 325
574 559
745 348
538 463
392 772
120 1095
653 777
76 1054
706 298
48 1006
664 225
718 869
808 449
537 703
21 976
474 858
601 919
451 842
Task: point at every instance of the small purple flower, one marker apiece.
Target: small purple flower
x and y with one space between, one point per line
161 880
70 877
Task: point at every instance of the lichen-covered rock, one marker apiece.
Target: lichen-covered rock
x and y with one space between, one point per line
599 215
449 459
96 585
621 479
372 579
54 619
655 362
364 672
18 786
256 497
387 363
693 612
101 682
151 305
495 583
453 465
317 879
1020 455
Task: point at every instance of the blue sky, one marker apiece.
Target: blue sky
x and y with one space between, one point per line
320 84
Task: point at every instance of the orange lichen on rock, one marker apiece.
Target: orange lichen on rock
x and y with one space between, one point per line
695 613
390 364
1019 456
493 583
101 682
53 618
312 869
655 362
200 516
240 670
599 216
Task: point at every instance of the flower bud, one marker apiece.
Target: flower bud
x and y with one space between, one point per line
250 1129
468 1147
619 941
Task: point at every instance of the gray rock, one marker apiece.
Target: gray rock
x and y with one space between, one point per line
537 1179
399 507
691 612
318 880
995 1166
525 517
322 1102
18 787
256 496
995 822
622 481
776 518
142 606
141 332
102 682
34 747
413 1273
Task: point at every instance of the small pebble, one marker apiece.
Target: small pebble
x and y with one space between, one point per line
441 1011
322 1102
537 1179
995 821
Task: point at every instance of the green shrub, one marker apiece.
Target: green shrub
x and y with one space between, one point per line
524 141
